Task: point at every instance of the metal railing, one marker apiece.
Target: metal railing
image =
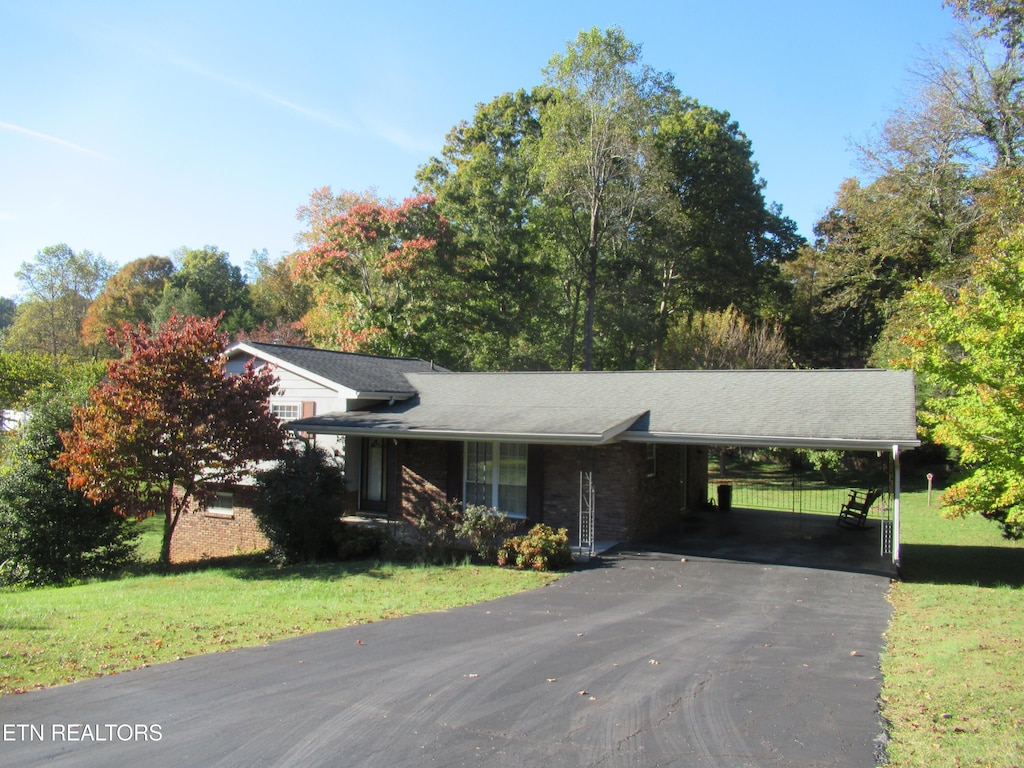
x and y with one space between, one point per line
793 494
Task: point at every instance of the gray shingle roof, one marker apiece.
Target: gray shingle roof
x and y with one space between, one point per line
366 374
869 409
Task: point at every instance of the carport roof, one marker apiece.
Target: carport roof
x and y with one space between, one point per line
867 409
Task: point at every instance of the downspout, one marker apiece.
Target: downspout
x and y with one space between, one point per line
896 508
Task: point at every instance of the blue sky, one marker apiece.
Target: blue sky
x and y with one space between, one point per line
130 128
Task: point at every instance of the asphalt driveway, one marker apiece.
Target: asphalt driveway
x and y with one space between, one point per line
643 659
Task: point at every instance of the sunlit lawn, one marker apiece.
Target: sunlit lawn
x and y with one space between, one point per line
954 683
50 636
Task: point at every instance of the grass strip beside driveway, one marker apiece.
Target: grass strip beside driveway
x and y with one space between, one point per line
952 665
51 636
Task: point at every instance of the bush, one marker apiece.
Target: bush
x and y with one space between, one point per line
359 542
542 549
486 529
434 530
297 505
48 533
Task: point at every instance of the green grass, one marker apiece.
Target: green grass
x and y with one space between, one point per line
50 636
952 666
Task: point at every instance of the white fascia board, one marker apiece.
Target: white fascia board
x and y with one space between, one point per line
460 435
759 441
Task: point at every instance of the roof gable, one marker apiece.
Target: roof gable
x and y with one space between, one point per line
368 375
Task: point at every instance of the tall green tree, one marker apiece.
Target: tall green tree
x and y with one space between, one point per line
58 286
594 154
502 305
587 212
206 284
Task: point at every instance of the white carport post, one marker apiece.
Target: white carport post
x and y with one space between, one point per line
896 506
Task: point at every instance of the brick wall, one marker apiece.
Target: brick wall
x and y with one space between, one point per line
636 494
202 534
423 467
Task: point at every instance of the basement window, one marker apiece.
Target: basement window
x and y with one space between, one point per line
221 505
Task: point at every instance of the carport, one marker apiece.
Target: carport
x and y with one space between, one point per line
864 410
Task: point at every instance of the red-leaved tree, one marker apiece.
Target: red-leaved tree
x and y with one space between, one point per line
368 268
169 421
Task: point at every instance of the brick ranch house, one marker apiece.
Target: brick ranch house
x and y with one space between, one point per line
612 456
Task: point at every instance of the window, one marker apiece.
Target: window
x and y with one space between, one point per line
221 505
496 476
652 460
285 411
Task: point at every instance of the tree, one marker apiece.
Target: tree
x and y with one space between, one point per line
725 340
716 243
324 207
297 504
967 348
168 422
982 79
369 276
587 211
58 286
206 284
594 152
7 307
502 307
50 533
277 298
130 296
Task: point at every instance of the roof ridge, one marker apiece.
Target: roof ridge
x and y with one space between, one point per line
272 345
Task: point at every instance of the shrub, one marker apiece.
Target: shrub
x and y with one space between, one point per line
434 529
48 533
486 529
297 505
359 542
542 549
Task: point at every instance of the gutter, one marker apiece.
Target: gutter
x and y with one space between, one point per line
766 441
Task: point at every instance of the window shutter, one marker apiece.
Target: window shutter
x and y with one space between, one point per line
454 472
308 408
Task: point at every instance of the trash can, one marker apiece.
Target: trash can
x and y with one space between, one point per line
725 497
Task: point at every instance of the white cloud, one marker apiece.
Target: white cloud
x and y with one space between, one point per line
52 139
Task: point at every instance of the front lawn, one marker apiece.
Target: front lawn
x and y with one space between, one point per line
55 635
952 667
